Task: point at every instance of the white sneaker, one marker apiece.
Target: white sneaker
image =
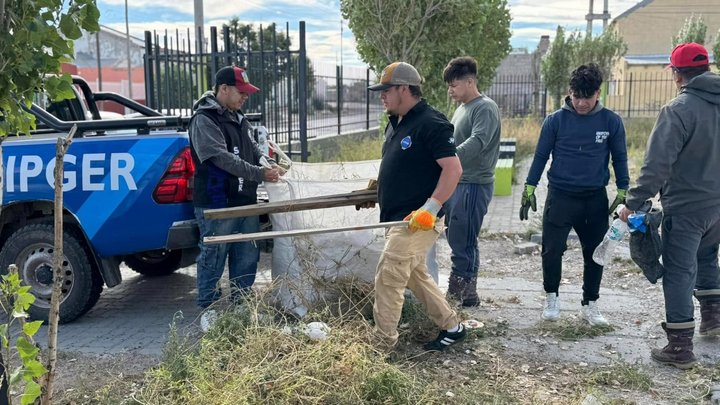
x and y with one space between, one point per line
207 319
591 313
552 307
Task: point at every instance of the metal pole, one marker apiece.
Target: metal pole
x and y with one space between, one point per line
199 23
149 79
99 64
129 63
302 95
367 99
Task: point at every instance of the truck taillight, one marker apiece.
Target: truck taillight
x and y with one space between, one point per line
174 186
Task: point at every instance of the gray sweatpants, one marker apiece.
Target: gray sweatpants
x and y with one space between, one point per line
690 257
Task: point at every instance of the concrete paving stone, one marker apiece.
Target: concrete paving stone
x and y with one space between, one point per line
526 248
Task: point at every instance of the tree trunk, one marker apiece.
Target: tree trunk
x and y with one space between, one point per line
62 146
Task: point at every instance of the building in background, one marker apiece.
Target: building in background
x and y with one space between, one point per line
107 70
640 84
518 88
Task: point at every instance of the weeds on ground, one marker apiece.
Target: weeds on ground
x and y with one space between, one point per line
699 380
573 329
621 375
252 355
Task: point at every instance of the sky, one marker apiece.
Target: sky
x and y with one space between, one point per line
328 37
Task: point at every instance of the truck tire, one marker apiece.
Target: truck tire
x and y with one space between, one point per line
31 249
155 262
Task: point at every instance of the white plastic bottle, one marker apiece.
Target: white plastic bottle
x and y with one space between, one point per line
606 249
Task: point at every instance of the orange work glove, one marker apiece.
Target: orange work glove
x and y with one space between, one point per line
424 218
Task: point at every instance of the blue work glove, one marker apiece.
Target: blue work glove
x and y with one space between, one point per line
619 199
528 201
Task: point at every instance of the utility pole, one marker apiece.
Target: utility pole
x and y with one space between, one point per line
199 24
127 48
605 16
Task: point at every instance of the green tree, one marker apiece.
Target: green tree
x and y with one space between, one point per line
604 50
556 67
35 38
568 53
694 30
428 33
243 35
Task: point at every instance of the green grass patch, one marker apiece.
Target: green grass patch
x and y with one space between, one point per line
621 375
573 329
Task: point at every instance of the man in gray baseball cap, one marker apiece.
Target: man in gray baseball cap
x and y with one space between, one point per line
397 74
418 173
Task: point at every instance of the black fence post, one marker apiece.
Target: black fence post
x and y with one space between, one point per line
302 95
338 96
367 99
630 88
261 72
149 83
213 51
543 108
227 44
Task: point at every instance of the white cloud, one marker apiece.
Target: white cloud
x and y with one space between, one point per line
562 12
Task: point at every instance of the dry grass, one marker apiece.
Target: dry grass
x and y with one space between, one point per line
250 356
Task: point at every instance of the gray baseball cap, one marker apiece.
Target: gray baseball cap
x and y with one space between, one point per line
397 74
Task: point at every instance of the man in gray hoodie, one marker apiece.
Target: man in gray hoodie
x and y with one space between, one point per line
227 173
682 162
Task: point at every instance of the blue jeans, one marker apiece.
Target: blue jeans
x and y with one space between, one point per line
242 261
464 214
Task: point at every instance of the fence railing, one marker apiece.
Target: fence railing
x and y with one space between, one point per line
298 99
636 95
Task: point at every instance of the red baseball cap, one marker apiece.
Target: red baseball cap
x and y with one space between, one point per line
235 76
689 54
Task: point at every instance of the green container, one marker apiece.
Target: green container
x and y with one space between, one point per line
503 177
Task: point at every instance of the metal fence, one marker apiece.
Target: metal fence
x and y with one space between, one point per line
298 99
636 95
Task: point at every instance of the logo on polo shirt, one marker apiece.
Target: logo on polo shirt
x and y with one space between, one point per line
601 136
451 140
406 142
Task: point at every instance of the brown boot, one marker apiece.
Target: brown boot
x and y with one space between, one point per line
710 319
463 290
679 350
709 312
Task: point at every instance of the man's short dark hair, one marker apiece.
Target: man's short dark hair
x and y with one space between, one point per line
585 81
690 73
460 68
415 91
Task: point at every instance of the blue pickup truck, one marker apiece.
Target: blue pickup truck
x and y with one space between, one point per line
127 198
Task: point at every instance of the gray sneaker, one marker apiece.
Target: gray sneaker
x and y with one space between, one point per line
591 313
552 307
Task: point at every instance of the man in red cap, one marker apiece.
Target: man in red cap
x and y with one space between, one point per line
682 162
227 174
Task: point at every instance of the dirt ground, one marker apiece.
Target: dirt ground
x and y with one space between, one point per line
514 357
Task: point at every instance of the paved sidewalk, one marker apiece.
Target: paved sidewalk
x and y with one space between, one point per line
504 211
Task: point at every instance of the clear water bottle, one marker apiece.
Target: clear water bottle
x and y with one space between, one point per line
605 251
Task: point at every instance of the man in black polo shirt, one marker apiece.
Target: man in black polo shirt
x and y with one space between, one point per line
418 173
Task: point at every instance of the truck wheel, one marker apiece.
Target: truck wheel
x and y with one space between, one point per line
31 249
155 262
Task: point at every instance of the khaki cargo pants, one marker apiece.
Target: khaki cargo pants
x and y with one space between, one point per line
401 265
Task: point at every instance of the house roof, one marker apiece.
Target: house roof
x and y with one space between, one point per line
662 59
105 30
632 9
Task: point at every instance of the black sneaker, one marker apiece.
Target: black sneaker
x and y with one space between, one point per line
446 339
